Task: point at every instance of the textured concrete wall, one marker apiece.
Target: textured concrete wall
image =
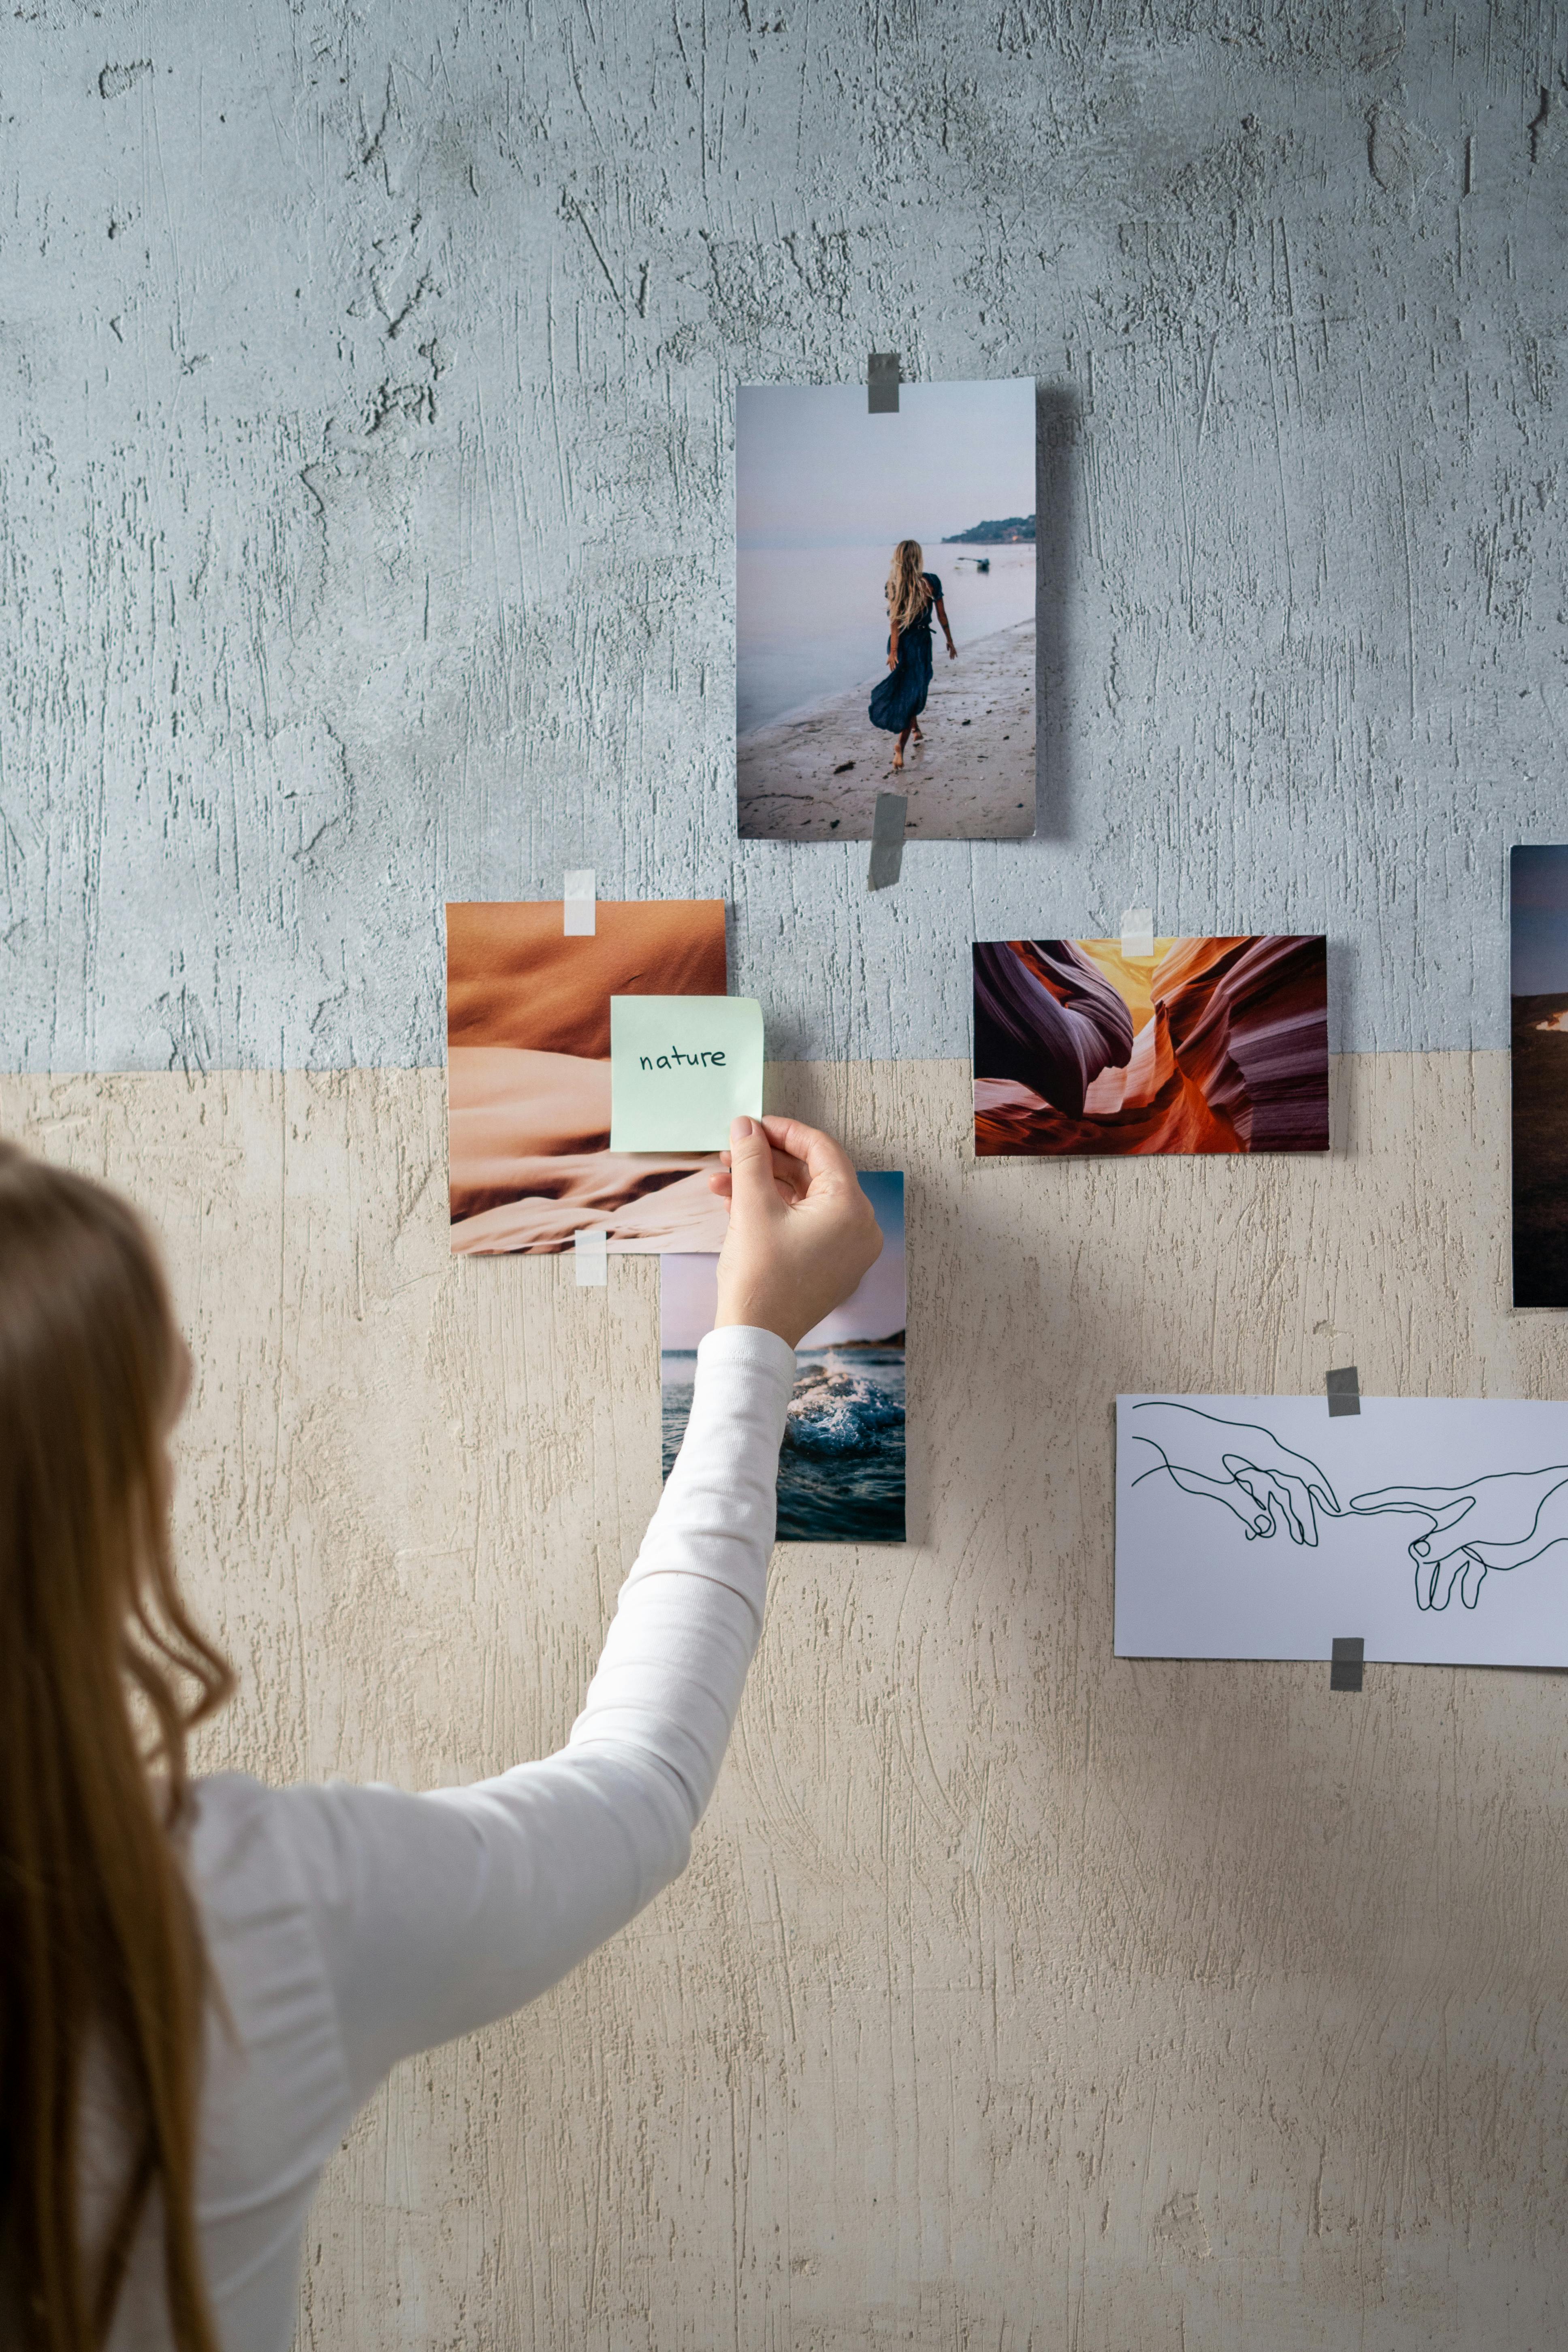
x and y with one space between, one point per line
1016 1997
365 533
366 484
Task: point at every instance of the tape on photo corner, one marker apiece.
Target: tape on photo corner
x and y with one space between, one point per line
887 840
1347 1657
882 384
592 1256
577 897
1343 1390
1137 931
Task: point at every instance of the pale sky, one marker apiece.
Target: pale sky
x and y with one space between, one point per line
815 468
1539 898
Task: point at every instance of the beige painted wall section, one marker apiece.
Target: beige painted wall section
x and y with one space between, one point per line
1015 1997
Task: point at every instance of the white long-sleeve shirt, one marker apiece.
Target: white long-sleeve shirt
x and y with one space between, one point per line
349 1927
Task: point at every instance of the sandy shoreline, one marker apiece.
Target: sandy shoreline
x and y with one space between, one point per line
972 780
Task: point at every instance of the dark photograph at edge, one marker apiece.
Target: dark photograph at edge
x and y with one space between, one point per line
885 596
841 1468
1205 1045
1538 912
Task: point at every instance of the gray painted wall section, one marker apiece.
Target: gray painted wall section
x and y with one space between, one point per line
365 485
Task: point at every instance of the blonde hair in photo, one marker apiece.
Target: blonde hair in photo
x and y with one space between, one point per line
907 595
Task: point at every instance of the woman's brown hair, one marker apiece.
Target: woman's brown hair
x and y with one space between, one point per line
100 1941
909 592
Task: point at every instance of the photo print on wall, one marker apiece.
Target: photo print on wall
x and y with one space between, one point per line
1538 912
528 1075
1208 1045
841 1469
1434 1528
866 547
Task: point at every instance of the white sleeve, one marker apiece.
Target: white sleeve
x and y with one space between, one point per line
437 1912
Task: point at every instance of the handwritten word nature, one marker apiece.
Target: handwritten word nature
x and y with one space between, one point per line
676 1059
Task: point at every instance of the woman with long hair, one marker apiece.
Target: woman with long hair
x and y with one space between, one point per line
202 1980
913 594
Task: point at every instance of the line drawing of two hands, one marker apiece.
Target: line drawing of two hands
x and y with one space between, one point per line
1509 1517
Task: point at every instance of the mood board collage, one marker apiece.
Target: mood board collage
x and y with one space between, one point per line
886 588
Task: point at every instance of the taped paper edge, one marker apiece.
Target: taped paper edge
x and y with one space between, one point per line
577 897
590 1248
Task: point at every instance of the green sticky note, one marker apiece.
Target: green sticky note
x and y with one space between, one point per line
681 1068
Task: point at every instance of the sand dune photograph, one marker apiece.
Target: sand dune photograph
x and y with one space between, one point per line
528 1075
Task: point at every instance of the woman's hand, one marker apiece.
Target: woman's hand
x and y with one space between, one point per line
802 1233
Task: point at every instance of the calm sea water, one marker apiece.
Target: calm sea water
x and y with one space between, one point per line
841 1472
811 621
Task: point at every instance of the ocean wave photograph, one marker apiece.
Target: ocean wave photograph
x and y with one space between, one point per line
841 1467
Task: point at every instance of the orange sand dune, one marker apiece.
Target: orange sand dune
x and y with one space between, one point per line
528 1075
673 1209
514 979
527 1140
508 1108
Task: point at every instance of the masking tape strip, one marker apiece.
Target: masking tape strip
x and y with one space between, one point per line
887 840
1137 931
1343 1390
1345 1663
592 1247
577 897
882 384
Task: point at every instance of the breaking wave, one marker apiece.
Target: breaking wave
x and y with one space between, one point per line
836 1410
841 1471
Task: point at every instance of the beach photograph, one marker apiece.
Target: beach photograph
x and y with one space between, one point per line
528 1075
1207 1045
841 1469
1538 922
885 589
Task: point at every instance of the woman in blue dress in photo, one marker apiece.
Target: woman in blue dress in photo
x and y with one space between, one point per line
913 595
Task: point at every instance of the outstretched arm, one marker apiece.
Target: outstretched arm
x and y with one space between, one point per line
437 1912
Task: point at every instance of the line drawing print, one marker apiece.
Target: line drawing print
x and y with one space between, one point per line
1520 1514
1510 1517
1239 1464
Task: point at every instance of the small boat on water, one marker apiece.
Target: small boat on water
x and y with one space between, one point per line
971 562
